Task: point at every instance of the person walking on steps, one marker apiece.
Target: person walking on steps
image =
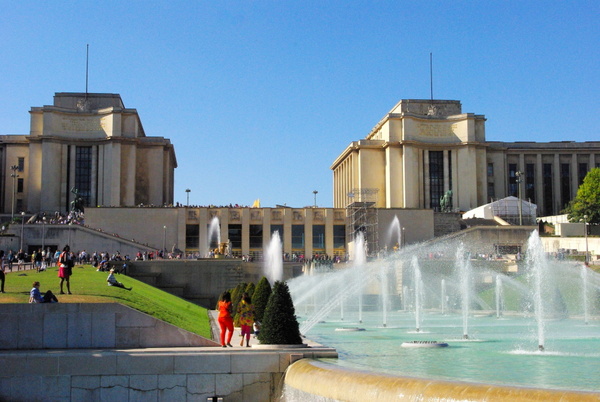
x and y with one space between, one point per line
225 319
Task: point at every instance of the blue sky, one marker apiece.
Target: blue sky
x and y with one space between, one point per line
259 97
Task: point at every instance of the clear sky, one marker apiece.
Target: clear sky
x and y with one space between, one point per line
260 97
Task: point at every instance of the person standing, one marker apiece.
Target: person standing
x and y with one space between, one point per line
65 264
225 318
245 312
2 276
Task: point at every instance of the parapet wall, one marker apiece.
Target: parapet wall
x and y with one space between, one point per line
88 325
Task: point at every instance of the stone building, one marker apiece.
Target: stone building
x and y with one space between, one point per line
422 149
87 146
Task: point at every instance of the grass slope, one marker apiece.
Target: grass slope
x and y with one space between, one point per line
89 286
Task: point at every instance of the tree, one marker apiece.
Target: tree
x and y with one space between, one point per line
279 325
587 201
260 298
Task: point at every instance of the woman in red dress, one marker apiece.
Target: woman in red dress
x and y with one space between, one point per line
65 264
225 318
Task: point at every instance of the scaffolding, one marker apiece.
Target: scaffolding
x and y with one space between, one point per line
362 216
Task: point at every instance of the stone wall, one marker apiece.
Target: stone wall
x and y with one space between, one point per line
87 325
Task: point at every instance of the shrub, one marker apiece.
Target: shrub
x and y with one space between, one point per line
261 297
279 325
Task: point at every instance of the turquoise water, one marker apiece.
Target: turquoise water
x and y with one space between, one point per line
499 351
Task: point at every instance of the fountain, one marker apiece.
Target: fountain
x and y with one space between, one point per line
273 267
563 353
214 234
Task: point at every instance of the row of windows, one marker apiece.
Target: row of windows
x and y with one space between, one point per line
256 236
528 178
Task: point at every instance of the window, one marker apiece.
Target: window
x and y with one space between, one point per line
565 184
513 189
235 236
256 236
21 164
436 178
192 236
491 191
547 179
530 182
583 168
277 228
319 237
490 170
83 173
20 185
339 236
298 236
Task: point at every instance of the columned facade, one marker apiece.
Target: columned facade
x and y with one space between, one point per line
86 146
422 149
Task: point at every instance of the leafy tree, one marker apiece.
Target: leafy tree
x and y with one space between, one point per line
587 201
279 324
261 297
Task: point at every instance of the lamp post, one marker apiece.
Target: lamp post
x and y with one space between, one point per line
14 176
187 190
519 180
403 238
315 193
43 233
22 228
164 239
585 218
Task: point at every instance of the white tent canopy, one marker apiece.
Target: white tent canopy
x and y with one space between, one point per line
507 209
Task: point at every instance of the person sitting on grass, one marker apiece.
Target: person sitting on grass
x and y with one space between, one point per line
35 296
112 281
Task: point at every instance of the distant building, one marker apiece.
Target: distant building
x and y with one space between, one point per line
91 143
422 149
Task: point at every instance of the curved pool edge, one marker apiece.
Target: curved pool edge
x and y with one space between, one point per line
344 384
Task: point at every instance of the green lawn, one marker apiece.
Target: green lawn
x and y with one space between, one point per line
89 286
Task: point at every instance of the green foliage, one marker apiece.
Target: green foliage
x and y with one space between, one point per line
236 297
89 286
250 289
587 201
261 297
279 325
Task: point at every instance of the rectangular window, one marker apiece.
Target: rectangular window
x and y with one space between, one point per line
530 182
256 236
20 185
490 170
279 229
192 236
83 173
21 164
583 169
565 184
547 178
298 237
339 236
436 178
491 191
235 236
19 205
319 237
513 189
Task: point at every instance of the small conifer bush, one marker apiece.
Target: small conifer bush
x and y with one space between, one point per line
279 324
261 297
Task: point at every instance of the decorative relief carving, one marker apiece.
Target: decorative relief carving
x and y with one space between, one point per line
255 215
213 214
276 215
234 216
338 215
298 217
192 215
318 216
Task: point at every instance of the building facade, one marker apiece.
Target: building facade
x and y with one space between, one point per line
422 149
89 147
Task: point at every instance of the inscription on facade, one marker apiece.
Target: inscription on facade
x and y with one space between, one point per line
437 130
79 124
